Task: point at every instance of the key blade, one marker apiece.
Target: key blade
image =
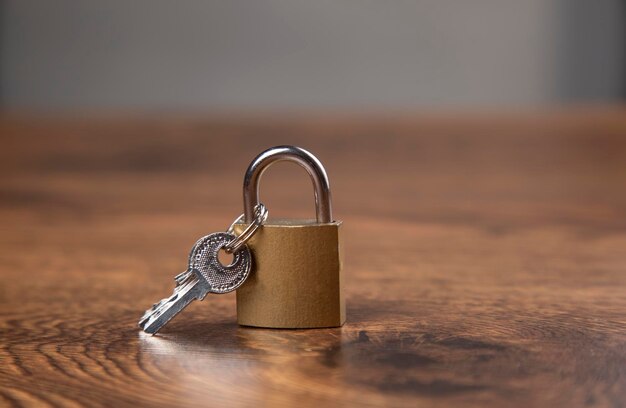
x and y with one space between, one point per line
181 279
161 313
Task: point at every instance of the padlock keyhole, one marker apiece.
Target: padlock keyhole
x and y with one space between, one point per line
225 258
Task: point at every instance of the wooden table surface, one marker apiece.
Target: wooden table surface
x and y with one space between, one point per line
485 260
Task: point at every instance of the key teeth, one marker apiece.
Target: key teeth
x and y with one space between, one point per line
162 312
182 277
151 329
150 312
146 316
145 325
144 320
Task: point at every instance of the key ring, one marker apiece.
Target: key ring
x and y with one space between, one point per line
260 215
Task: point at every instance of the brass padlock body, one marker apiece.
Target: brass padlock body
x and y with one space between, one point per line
298 276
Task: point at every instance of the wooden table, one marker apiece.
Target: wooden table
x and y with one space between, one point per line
485 260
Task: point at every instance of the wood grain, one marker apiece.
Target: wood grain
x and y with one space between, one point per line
485 261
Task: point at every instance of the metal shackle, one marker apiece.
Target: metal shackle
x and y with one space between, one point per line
323 206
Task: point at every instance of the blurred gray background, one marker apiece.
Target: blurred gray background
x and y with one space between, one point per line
322 54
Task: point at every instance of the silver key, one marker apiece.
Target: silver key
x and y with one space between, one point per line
204 274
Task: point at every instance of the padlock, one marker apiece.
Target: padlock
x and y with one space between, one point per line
297 278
